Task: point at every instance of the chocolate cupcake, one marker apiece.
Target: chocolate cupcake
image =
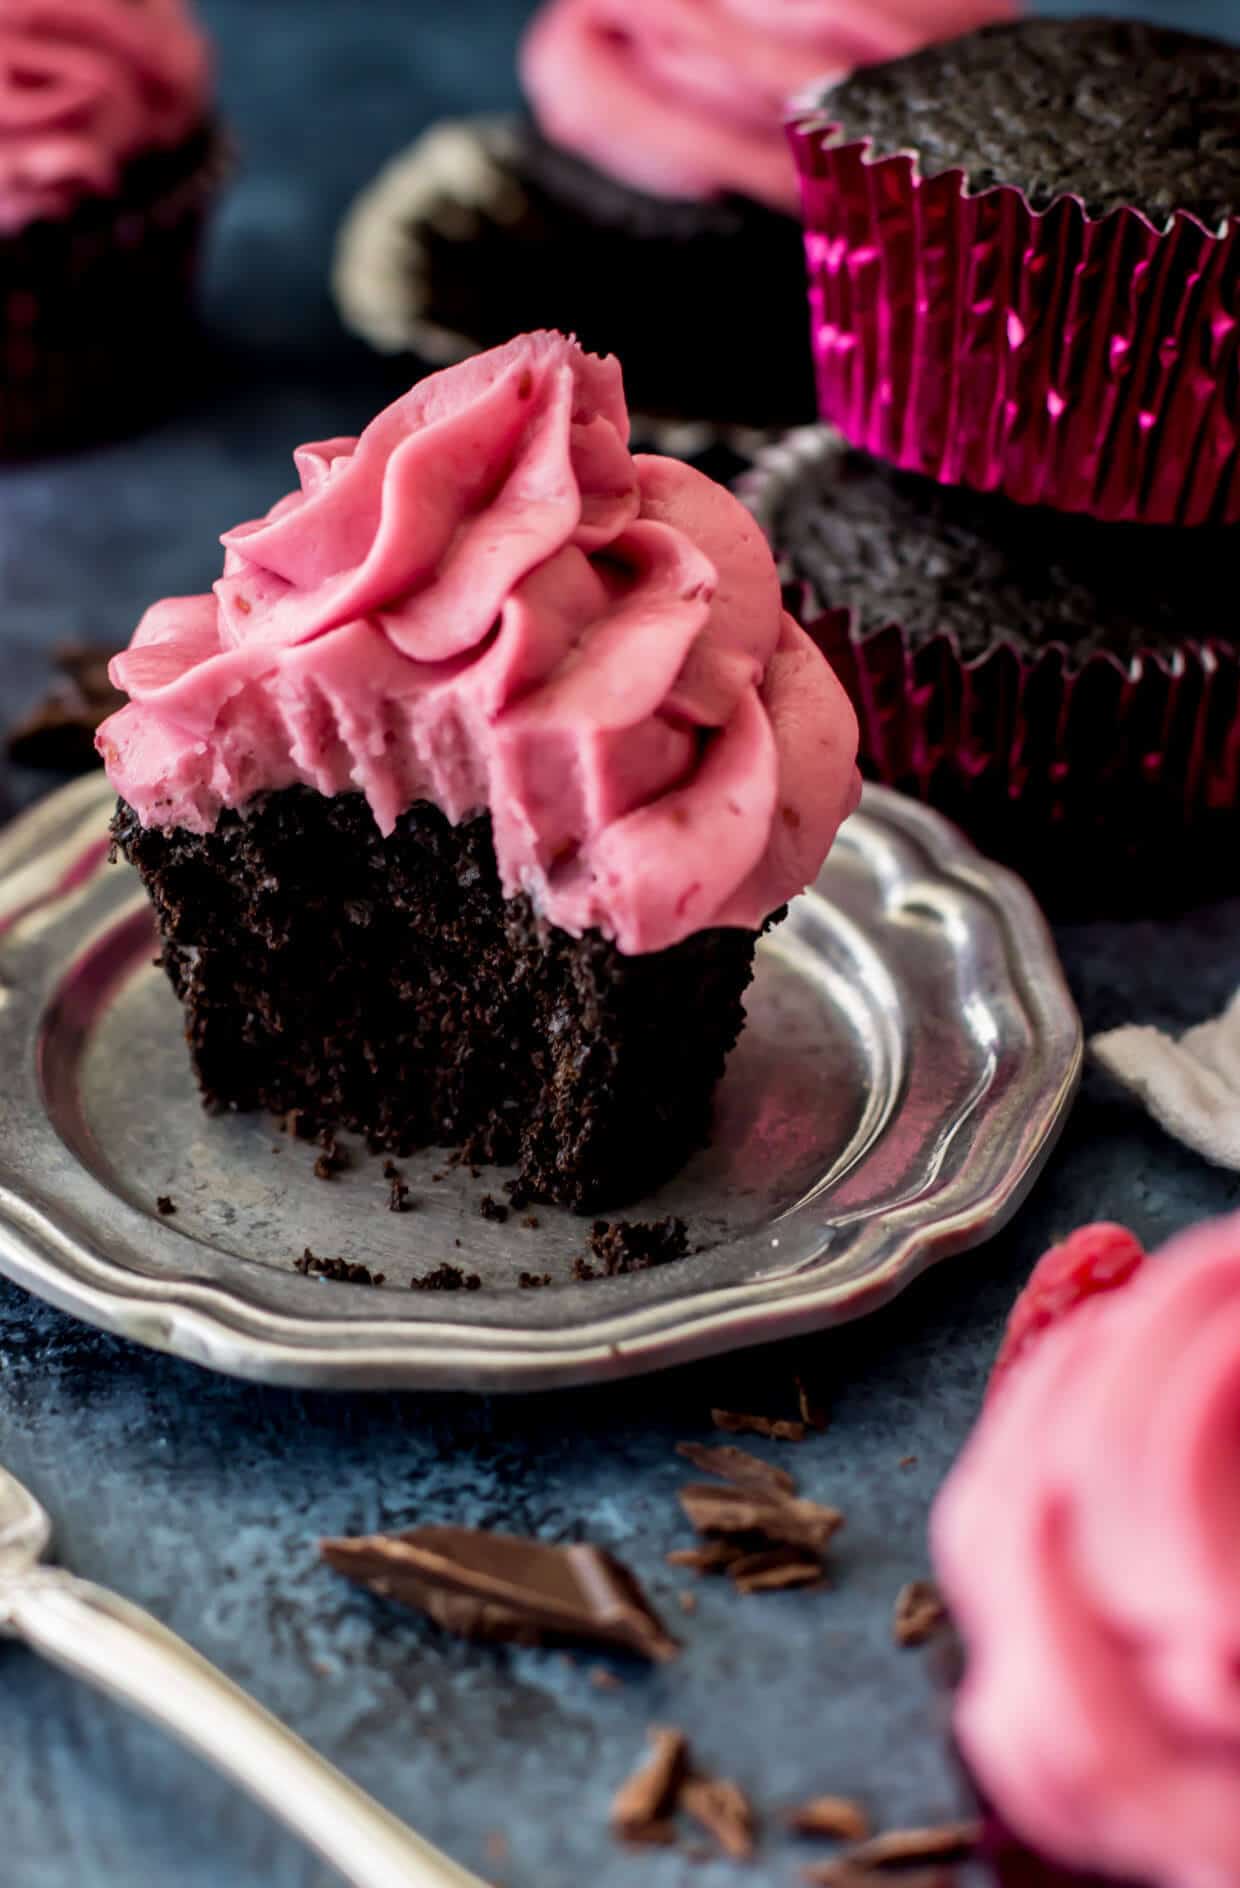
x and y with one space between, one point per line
109 158
648 203
1068 691
463 800
1084 1543
1024 265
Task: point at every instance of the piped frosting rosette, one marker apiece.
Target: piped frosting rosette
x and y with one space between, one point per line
487 602
1086 1543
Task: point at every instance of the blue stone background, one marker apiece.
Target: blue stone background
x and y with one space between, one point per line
203 1499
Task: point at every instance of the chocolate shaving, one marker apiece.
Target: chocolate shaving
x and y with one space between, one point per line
58 736
812 1414
838 1818
737 1423
776 1571
919 1613
446 1278
502 1587
642 1807
711 1557
338 1271
904 1848
724 1811
743 1514
739 1467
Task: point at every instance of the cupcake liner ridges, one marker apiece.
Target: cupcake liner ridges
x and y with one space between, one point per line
96 308
1091 364
1110 785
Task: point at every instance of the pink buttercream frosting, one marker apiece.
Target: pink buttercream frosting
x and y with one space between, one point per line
85 85
687 98
487 601
1088 1544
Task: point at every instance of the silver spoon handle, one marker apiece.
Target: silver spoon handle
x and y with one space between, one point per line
122 1650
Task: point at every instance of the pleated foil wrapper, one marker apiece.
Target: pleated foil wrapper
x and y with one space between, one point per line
1090 364
1111 785
97 307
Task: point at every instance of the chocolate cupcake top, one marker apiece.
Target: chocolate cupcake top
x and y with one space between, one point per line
937 559
1112 111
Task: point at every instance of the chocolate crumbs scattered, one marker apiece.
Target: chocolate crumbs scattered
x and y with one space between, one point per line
623 1246
165 1205
338 1271
492 1209
533 1281
446 1277
837 1818
919 1613
482 1585
771 1429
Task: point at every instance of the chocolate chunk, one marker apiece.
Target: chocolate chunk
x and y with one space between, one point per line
165 1205
740 1513
739 1467
642 1807
339 1271
919 1613
492 1209
910 1848
772 1429
58 735
633 1245
724 1811
446 1277
838 1818
499 1586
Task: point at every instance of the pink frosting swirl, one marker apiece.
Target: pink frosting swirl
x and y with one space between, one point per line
1088 1543
486 601
687 98
85 85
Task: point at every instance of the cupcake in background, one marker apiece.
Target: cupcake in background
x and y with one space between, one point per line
1067 691
109 157
1024 259
1086 1546
648 202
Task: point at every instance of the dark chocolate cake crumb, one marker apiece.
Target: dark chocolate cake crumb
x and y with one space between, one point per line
835 1818
483 1585
165 1205
531 1221
58 736
391 1171
892 548
493 1209
635 1245
771 1428
583 1271
919 1613
533 1281
1113 111
446 1277
339 1271
399 1200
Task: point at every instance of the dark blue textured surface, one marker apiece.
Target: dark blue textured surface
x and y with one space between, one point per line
203 1499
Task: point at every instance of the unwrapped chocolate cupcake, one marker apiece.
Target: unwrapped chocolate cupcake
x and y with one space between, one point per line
109 158
1068 691
464 798
1024 265
648 203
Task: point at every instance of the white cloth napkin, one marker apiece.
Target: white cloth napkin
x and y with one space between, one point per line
1190 1086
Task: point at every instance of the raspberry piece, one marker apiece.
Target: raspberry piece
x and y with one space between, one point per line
1096 1259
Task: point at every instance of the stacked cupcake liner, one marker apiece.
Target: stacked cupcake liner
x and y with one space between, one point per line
96 308
1083 364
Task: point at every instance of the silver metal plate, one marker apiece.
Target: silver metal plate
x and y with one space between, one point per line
910 1055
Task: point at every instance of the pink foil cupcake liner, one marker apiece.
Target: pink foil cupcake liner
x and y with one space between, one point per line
1112 786
1090 364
